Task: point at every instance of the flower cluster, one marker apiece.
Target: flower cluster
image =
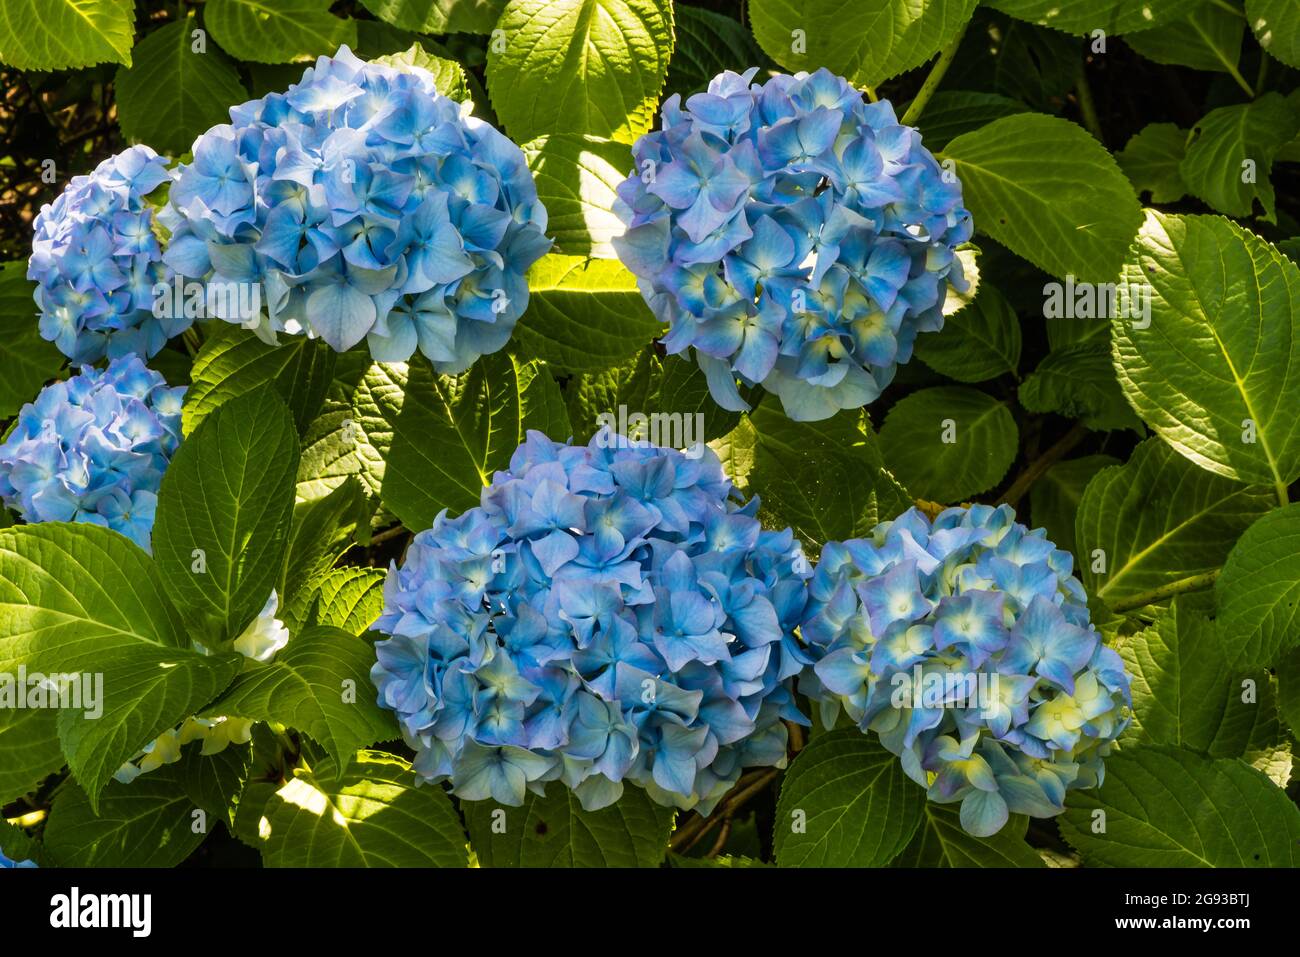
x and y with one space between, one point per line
96 259
362 204
94 449
794 235
264 636
7 863
607 613
965 643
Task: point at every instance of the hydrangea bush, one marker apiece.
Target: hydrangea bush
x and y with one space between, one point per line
366 205
609 612
794 236
96 258
965 643
492 432
94 449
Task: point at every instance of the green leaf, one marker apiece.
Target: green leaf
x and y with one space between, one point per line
707 44
224 511
827 479
1084 16
1049 192
449 435
1259 590
950 113
540 400
350 599
949 443
438 16
80 599
372 815
27 359
1159 519
1221 347
351 436
722 860
584 314
867 42
1288 690
234 361
1209 38
170 93
1079 382
941 841
1152 161
56 34
576 177
29 750
320 533
215 782
147 823
554 831
683 388
580 66
1276 28
633 384
845 802
1018 60
1170 807
18 846
277 32
448 76
1186 693
1055 498
979 342
1233 141
318 683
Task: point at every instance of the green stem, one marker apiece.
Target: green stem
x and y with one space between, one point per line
1283 498
1035 469
933 80
1169 590
1087 105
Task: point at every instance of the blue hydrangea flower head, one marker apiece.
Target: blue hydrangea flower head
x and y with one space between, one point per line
93 449
793 236
96 258
362 204
10 864
608 613
965 644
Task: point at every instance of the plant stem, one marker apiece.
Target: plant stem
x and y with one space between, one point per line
933 80
745 789
1141 600
1035 469
1087 106
386 534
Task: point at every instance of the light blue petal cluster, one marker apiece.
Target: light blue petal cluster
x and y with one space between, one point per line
7 863
608 613
965 643
96 258
93 449
363 204
792 235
